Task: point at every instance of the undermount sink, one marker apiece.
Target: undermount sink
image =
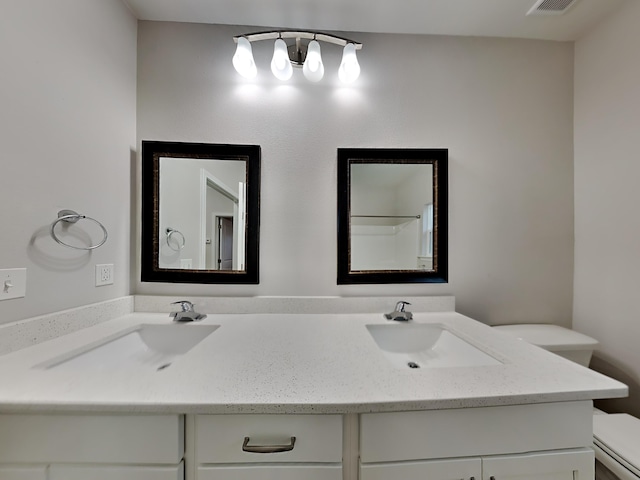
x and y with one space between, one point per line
426 345
153 346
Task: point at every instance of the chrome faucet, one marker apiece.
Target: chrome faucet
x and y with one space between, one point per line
399 314
187 313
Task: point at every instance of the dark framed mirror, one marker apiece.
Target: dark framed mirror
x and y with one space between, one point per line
392 216
200 213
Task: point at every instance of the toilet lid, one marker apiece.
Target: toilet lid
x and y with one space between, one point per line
550 337
619 436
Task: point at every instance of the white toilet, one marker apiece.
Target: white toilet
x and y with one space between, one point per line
616 437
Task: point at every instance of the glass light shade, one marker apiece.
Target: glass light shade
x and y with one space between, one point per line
280 64
243 59
313 68
349 69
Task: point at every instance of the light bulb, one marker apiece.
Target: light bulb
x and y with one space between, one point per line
349 68
280 64
313 68
243 59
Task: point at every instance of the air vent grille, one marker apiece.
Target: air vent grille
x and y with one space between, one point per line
551 7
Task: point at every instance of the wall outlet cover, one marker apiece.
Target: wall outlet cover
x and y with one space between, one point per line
104 274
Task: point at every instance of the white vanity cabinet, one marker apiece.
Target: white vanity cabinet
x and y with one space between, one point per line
264 447
527 442
99 447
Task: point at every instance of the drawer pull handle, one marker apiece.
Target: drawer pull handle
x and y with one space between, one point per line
267 448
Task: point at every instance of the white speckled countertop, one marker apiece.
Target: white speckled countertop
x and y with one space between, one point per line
293 363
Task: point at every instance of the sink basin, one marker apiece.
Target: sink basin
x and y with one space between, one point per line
153 346
422 345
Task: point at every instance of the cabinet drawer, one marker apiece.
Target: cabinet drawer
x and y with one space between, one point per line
106 472
280 472
432 470
220 438
472 432
123 439
23 473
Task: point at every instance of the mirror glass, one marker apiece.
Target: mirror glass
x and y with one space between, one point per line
200 212
392 215
214 239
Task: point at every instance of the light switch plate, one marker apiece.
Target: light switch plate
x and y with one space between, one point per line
13 283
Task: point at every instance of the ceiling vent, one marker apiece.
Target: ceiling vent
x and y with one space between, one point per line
551 7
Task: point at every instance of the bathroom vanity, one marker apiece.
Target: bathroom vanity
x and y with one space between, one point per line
288 396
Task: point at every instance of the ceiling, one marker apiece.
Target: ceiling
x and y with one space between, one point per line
496 18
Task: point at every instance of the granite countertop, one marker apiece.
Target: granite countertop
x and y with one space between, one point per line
292 363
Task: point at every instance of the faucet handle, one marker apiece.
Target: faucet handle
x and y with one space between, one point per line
186 305
400 305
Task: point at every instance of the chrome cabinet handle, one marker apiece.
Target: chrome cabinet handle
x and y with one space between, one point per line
267 448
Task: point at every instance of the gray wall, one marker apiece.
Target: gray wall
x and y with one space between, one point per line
503 107
67 130
607 250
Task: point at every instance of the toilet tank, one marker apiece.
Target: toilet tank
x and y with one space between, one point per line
569 344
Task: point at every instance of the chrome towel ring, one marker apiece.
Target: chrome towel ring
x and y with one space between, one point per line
180 242
69 216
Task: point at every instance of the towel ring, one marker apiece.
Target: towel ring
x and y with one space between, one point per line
170 233
69 216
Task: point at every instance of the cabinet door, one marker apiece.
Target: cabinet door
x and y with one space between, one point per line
567 465
107 472
267 472
465 468
23 473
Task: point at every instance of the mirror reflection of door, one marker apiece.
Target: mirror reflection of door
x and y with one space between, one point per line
225 243
221 202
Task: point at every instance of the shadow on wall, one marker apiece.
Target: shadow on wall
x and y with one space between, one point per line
44 252
631 404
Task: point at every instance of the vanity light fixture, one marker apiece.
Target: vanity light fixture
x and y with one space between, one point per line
243 59
349 67
313 67
303 51
280 64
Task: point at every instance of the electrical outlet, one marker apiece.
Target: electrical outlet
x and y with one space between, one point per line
104 274
13 283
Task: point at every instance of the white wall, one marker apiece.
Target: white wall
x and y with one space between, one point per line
67 131
607 197
384 247
504 108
